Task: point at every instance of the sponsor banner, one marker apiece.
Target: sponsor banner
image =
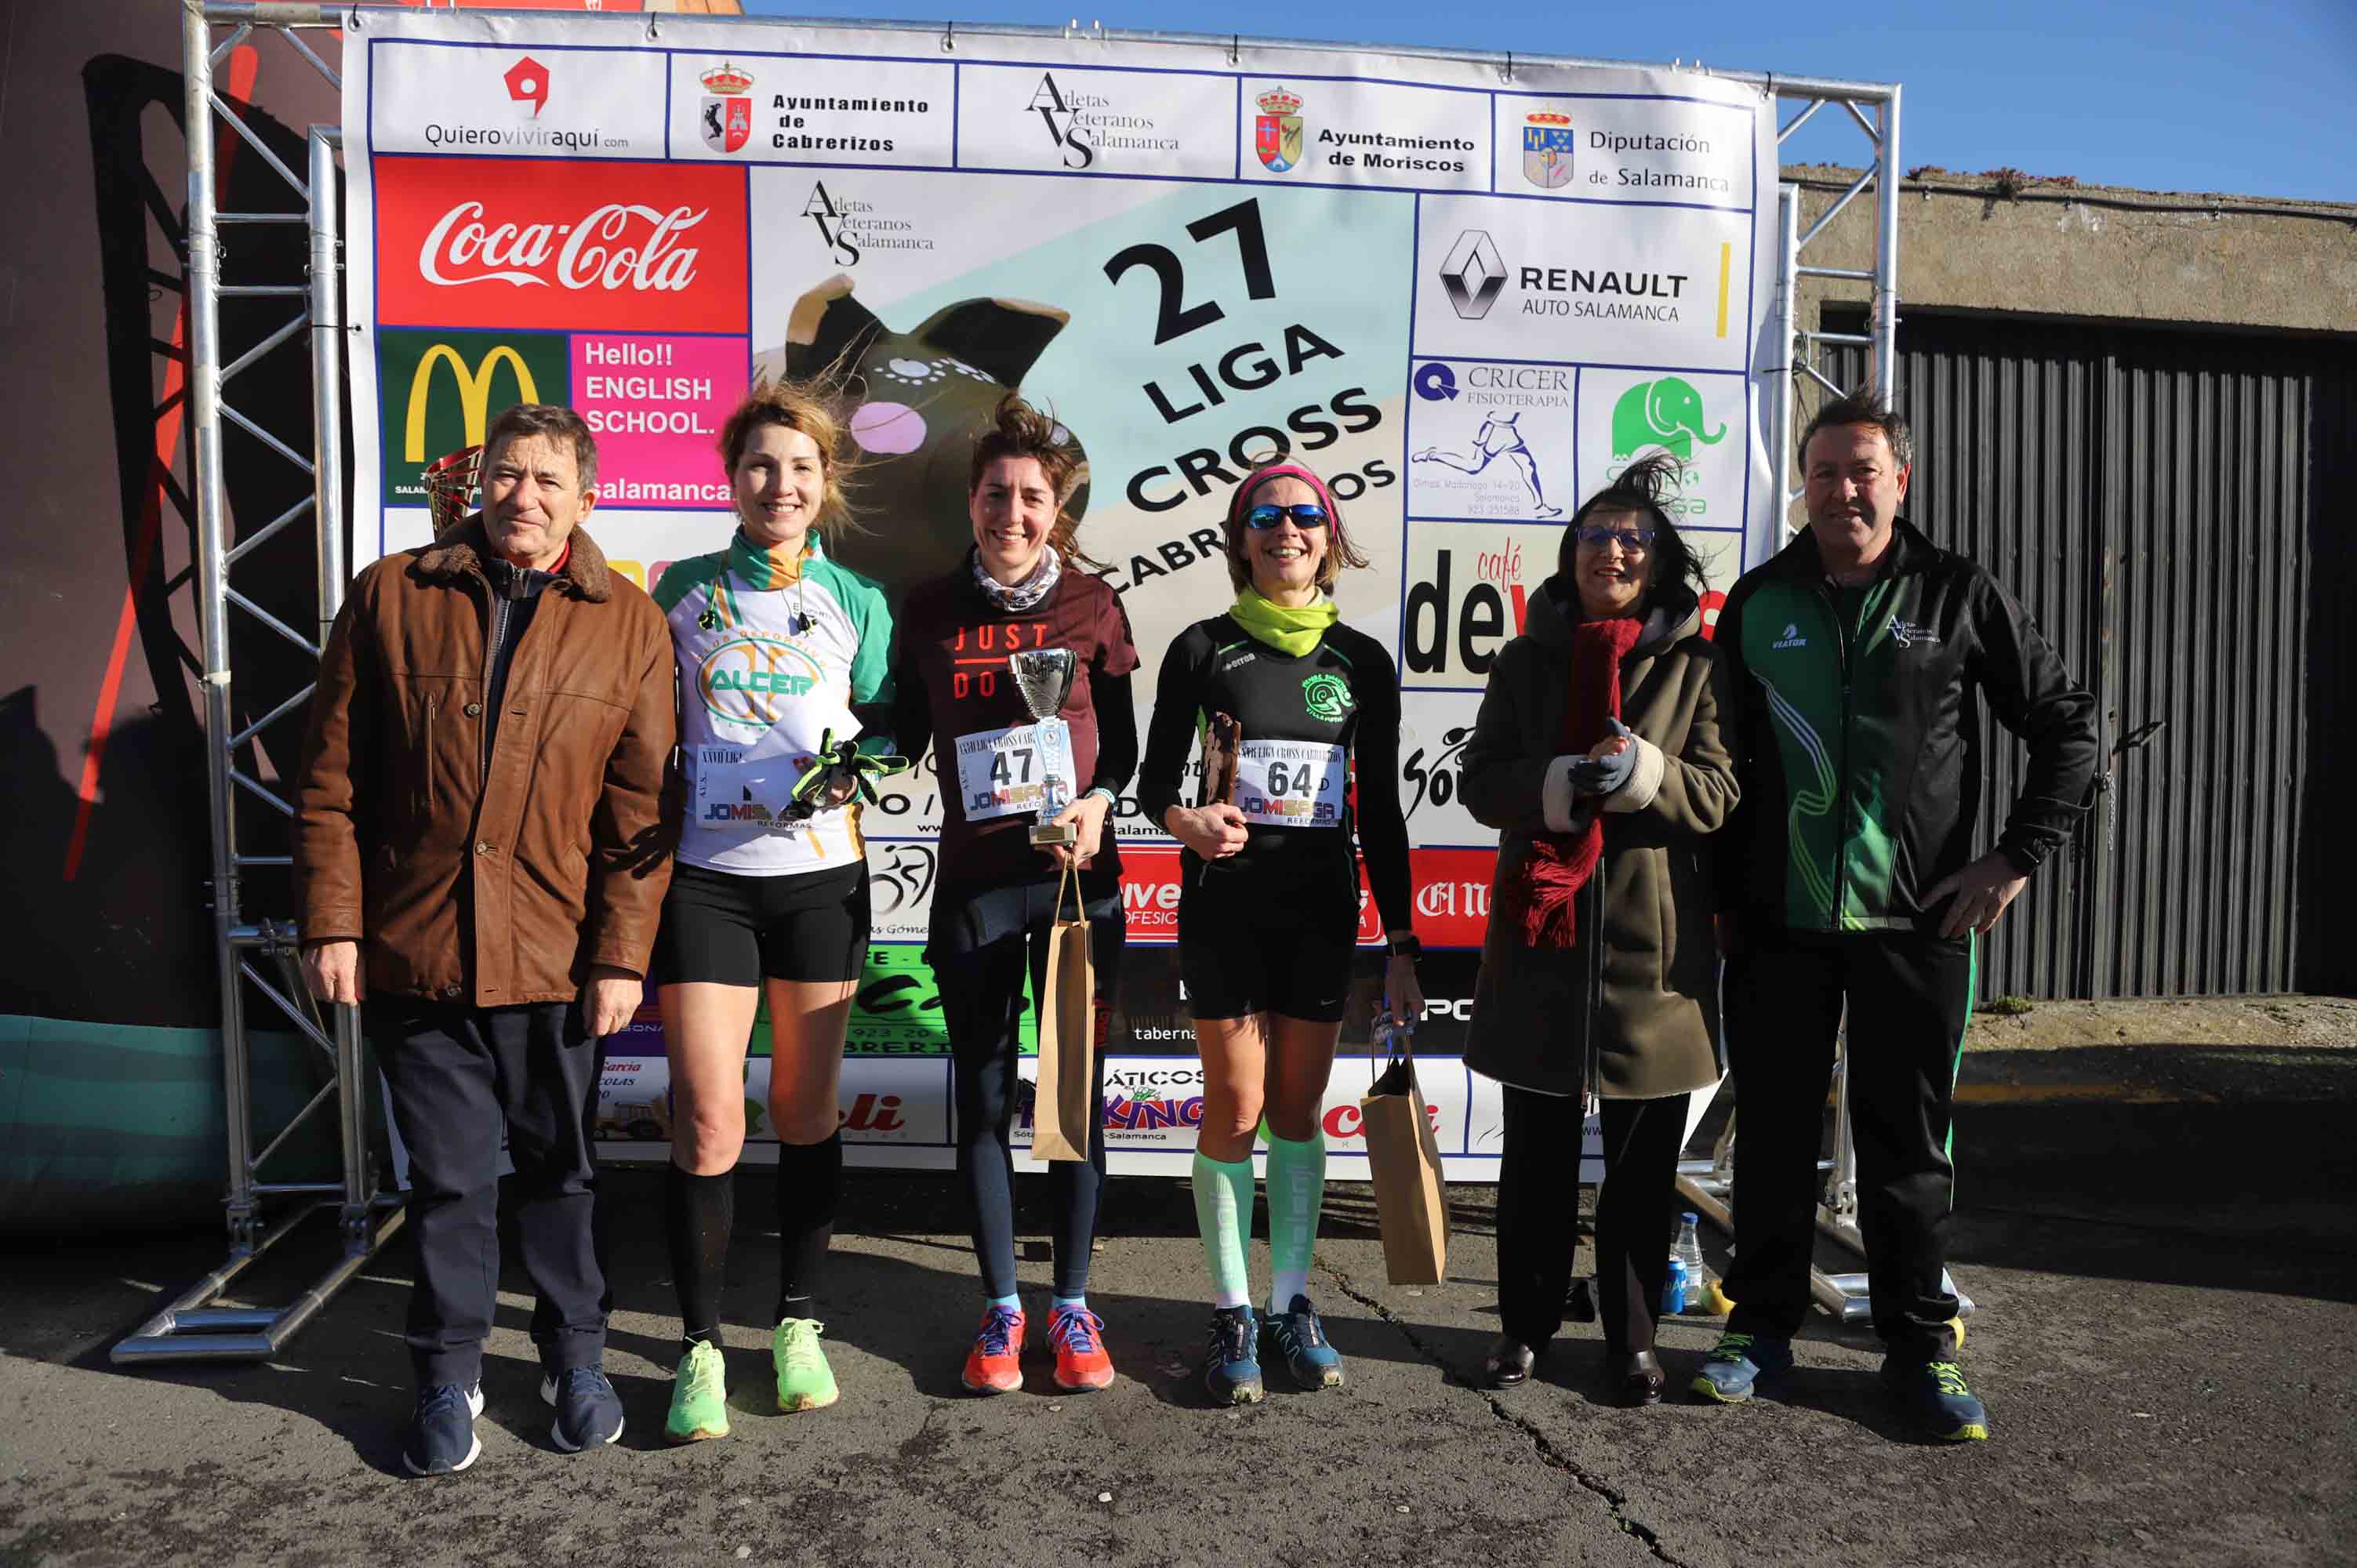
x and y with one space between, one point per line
545 102
656 405
442 388
1329 131
878 1101
1074 121
1452 896
553 243
1149 892
1470 591
1491 439
1177 260
1697 418
776 108
1671 287
901 874
1433 727
1607 149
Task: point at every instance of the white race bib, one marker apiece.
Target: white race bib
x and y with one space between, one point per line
738 792
1291 783
1002 772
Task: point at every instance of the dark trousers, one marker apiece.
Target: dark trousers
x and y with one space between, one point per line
984 942
1538 1214
459 1077
1908 997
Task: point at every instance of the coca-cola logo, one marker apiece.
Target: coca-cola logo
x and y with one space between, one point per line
619 245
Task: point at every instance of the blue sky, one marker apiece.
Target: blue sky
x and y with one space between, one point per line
2254 99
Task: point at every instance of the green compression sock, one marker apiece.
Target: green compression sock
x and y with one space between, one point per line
1223 1204
1297 1190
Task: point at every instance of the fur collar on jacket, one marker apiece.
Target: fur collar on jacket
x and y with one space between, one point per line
465 547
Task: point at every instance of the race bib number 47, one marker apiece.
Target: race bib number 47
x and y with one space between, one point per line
1290 783
1004 771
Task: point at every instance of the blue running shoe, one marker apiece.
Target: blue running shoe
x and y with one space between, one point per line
442 1440
1297 1340
1737 1363
589 1411
1230 1375
1936 1398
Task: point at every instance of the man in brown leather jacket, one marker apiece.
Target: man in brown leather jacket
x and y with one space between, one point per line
479 861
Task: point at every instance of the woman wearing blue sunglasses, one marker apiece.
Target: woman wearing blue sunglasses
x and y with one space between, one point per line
1268 914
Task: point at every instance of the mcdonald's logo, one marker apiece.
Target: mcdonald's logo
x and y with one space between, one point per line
474 394
442 389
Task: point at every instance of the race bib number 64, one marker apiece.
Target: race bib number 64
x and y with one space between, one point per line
1290 783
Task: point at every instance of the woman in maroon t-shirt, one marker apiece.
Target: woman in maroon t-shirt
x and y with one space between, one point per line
1023 586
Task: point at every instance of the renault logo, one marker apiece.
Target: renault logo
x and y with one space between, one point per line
1473 273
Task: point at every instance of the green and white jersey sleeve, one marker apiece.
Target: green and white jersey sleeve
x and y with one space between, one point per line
766 676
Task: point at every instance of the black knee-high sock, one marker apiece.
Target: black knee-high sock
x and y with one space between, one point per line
810 1186
698 1212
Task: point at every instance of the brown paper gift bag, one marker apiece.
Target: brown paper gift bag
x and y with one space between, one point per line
1062 1105
1404 1160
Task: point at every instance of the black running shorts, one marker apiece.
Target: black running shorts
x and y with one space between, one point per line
732 929
1246 947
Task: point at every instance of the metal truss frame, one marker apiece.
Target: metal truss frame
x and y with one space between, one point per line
259 953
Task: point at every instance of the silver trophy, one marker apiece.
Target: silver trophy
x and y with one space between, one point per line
1044 676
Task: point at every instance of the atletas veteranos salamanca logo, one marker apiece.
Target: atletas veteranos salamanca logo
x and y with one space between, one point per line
1327 697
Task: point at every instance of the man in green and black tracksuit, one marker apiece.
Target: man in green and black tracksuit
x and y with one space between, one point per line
1855 663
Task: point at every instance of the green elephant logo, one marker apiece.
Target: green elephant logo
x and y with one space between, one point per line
1665 413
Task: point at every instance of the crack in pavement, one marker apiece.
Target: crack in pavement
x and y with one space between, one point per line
1548 1452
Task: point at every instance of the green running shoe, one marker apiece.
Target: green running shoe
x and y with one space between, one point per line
699 1396
804 1380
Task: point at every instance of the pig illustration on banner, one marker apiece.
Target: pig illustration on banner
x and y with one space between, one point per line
915 400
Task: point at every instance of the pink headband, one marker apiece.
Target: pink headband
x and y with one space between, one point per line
1283 471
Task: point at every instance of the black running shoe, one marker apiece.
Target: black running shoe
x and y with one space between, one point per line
442 1440
589 1411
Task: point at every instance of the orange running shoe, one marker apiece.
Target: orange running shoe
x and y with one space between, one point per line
995 1365
1078 1335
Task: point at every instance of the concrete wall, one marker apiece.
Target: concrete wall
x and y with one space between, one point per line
2097 252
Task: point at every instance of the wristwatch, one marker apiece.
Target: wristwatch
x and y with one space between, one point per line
1407 947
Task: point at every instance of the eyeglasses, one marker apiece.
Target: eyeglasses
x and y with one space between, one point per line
1632 541
1309 514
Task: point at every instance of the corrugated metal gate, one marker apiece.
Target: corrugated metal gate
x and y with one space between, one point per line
2174 507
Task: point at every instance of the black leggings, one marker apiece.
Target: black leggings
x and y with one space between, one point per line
982 942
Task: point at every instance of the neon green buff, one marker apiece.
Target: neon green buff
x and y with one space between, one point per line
804 1380
699 1396
1296 1191
1223 1202
1292 630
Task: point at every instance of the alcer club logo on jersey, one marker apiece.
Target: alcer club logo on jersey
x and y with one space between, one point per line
1276 132
623 247
747 680
727 118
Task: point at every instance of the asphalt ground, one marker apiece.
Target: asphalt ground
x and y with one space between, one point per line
2159 1235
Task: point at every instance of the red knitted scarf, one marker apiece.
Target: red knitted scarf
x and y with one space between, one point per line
1559 864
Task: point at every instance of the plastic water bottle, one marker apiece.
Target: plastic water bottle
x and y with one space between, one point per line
1686 1264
